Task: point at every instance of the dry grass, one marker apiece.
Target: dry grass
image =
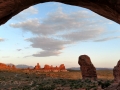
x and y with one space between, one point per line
101 74
105 74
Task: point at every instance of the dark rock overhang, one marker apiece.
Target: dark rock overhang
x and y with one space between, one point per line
106 8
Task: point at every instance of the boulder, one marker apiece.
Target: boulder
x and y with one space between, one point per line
87 68
116 72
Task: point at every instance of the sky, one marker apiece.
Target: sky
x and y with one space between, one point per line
55 33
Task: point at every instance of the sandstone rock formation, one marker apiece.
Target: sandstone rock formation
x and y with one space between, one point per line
7 67
3 66
48 68
107 8
87 69
37 67
62 67
116 72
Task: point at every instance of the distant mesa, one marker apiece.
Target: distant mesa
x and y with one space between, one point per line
87 68
22 66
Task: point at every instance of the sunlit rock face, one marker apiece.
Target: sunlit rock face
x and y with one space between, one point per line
7 67
116 72
37 67
107 8
62 67
87 68
3 66
48 68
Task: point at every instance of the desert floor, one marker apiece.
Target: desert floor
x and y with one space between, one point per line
29 80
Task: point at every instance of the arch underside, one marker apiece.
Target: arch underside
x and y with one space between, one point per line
106 8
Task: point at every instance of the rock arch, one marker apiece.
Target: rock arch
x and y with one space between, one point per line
107 8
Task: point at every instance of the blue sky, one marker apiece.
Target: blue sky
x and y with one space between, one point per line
54 33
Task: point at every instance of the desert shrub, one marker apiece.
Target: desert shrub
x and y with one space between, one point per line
104 84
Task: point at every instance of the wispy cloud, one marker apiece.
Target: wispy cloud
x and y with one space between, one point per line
106 39
6 57
19 49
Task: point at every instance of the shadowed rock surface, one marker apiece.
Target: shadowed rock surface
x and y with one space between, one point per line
87 69
107 8
116 72
114 86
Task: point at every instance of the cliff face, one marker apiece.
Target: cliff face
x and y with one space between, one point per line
107 8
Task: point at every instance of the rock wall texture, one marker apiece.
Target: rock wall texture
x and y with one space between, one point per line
107 8
87 68
116 72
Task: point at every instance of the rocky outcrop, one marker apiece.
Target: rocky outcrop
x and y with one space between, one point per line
48 68
116 72
37 67
62 67
3 66
107 8
13 67
7 67
87 68
54 69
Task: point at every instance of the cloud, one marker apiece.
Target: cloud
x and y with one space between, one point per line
19 49
58 22
26 13
27 56
5 56
47 53
59 29
30 10
1 39
106 39
50 46
83 35
26 47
